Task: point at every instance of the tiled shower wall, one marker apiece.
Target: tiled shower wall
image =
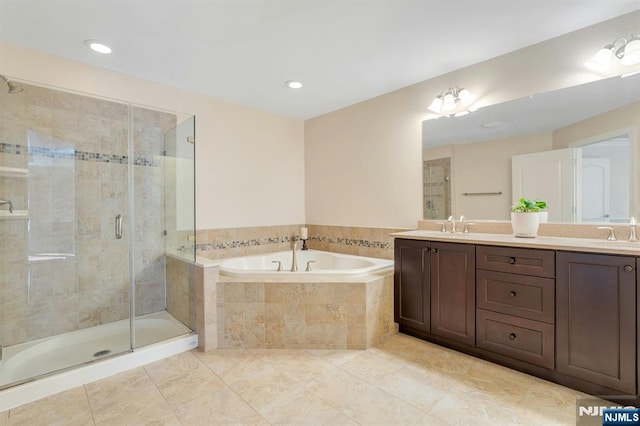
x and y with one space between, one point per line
436 175
63 164
233 242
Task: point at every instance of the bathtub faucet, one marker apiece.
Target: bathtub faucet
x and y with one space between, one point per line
294 263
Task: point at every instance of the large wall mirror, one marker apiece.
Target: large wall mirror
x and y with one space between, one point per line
575 148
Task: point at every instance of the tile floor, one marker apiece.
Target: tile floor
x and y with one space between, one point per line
404 381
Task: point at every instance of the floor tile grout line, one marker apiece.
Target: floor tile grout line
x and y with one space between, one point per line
86 395
228 385
144 368
379 388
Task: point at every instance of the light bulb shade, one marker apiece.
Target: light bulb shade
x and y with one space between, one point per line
449 102
631 52
601 60
465 95
436 105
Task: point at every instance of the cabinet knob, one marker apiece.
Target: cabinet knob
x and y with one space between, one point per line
512 336
512 293
434 250
512 260
628 268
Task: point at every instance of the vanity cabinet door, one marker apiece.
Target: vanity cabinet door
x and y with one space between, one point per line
596 319
453 307
411 283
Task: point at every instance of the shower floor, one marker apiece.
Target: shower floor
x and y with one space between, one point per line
31 359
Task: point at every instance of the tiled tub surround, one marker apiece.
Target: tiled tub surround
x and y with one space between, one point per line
192 296
348 314
235 242
74 151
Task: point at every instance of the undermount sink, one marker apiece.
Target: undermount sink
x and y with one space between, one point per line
621 244
457 235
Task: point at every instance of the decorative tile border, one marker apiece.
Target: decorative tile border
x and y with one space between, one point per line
9 148
40 151
223 245
353 242
278 240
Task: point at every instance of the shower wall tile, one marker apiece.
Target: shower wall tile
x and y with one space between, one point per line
76 151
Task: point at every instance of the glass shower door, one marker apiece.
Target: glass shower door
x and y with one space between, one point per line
64 286
164 221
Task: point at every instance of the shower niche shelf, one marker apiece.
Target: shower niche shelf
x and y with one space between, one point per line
17 214
13 172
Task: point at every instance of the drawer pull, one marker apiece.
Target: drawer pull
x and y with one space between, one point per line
512 293
512 336
628 268
512 260
434 250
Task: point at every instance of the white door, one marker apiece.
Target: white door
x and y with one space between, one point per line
594 205
548 176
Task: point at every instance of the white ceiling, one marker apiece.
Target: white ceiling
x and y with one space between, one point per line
344 51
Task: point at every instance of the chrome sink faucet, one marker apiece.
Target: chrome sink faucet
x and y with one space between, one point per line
294 262
632 229
452 220
453 223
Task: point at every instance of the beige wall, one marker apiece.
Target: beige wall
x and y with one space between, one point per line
363 163
621 119
249 163
486 167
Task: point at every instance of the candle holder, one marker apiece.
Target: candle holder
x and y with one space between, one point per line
304 244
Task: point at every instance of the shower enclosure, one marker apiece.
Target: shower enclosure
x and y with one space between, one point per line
94 195
436 188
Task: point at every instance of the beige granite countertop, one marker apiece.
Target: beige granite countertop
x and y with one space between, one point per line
541 242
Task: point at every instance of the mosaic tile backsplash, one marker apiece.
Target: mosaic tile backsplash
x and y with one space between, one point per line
234 242
73 151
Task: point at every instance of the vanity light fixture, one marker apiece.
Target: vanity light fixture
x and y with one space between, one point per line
626 50
292 84
453 102
97 46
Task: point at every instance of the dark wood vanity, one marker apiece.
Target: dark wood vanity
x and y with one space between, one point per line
566 316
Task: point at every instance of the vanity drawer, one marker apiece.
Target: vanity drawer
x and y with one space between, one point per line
539 263
523 339
520 295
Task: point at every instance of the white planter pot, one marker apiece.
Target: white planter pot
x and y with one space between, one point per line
525 224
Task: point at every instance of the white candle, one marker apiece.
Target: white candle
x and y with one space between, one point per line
303 233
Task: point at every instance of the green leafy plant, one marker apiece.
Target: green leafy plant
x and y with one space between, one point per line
524 205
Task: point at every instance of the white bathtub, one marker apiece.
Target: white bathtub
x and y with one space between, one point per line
325 264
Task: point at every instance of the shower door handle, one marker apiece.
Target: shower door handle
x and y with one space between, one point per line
118 229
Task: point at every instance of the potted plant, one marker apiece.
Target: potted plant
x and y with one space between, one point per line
525 217
542 210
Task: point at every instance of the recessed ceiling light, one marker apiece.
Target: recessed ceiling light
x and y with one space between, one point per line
292 84
97 46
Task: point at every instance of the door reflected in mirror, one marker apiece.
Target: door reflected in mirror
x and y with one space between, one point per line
603 179
588 182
